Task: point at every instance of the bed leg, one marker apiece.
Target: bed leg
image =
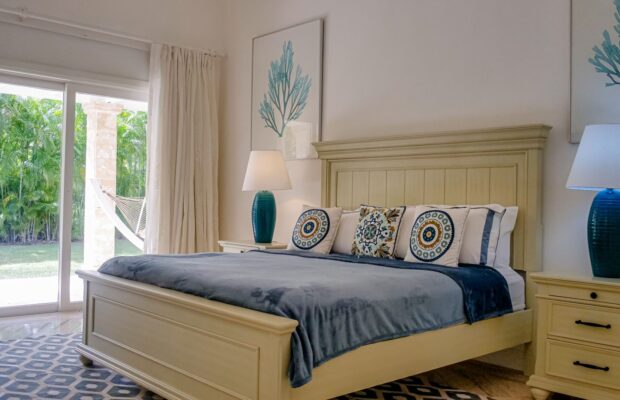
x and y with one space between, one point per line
540 394
87 362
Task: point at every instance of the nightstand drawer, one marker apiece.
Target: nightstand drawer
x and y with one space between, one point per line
584 364
579 293
584 322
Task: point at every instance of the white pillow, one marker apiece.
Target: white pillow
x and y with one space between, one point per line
437 235
481 237
346 232
315 229
404 232
502 257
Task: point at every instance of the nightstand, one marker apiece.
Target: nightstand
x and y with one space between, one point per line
241 246
578 337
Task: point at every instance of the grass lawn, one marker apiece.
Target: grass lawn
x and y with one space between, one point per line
41 259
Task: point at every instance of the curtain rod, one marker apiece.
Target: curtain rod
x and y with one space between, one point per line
23 17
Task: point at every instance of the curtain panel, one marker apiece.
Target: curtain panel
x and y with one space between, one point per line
182 186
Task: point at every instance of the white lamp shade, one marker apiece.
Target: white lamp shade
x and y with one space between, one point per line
597 163
266 171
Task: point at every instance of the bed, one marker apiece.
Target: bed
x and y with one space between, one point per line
187 347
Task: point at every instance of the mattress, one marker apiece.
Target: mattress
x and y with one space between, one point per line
516 287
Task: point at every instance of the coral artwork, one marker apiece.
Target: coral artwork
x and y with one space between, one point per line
286 95
606 58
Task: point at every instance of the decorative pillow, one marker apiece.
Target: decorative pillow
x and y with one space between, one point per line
376 231
436 235
315 229
481 235
346 232
502 258
406 223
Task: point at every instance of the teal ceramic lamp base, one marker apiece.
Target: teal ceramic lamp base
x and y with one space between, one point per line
604 234
263 216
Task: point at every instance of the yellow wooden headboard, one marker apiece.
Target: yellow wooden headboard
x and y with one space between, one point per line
501 165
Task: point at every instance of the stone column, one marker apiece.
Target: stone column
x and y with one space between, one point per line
100 165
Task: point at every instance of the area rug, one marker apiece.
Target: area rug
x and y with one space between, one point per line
48 367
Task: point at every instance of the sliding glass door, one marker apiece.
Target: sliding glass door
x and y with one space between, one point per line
72 178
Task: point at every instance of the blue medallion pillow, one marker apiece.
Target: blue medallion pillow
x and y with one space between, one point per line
315 229
437 235
376 231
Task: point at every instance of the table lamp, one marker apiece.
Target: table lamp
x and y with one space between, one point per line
597 167
266 171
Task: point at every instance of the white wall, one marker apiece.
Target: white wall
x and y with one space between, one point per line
405 66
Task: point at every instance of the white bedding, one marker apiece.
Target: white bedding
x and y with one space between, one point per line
516 286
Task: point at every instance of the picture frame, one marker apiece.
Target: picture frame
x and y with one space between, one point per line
595 82
287 74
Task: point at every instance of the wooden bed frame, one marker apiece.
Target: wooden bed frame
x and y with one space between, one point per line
186 347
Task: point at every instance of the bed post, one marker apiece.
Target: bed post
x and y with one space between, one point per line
534 238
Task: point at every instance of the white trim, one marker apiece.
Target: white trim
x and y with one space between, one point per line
59 74
32 82
114 92
66 198
28 309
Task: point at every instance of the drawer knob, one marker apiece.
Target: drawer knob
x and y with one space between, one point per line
593 295
592 324
590 366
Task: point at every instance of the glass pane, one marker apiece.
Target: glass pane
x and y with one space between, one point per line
109 175
30 160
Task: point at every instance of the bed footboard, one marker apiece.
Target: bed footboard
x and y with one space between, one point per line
182 346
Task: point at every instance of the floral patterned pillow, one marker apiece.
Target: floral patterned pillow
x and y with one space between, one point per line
375 235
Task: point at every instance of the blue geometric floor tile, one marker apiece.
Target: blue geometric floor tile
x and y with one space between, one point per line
30 375
15 396
92 386
21 387
60 380
53 393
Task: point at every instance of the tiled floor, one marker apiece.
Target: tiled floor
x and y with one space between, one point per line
39 325
473 376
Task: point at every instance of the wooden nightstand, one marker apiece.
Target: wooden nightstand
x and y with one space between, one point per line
578 337
241 246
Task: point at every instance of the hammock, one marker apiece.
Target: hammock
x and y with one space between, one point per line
132 209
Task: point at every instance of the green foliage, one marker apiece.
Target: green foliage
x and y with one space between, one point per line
30 166
606 58
288 97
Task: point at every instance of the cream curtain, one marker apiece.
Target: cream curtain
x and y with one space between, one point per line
182 188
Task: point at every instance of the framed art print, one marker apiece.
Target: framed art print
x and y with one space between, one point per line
286 90
595 64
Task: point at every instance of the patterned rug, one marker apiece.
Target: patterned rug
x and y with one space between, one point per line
48 367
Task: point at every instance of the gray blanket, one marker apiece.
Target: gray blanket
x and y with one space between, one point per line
339 305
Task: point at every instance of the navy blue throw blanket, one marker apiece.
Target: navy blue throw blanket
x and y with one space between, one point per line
485 290
340 302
